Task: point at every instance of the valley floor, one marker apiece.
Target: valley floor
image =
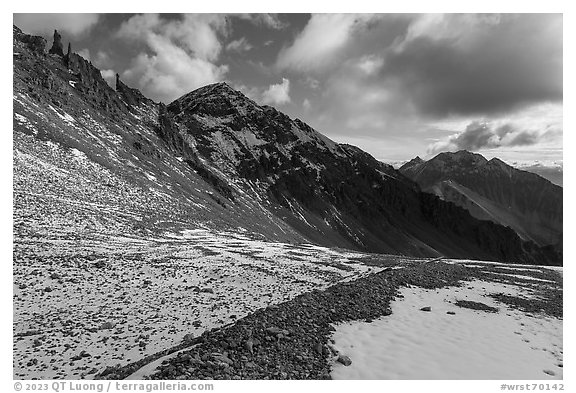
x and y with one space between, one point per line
82 305
206 304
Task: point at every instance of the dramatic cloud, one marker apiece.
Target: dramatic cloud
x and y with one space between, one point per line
196 33
269 20
386 79
239 45
277 94
45 24
321 41
180 54
480 135
474 64
102 59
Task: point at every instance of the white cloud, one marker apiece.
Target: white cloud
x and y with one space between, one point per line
321 41
45 24
239 45
453 27
480 135
102 59
278 93
196 33
306 104
181 53
370 64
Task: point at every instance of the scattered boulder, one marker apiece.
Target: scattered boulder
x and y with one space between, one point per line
100 264
189 337
107 325
427 308
345 360
222 358
249 345
273 330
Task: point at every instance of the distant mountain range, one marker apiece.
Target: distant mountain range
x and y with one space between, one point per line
492 190
215 158
552 173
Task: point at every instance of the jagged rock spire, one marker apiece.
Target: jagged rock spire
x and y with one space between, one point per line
67 57
57 47
117 81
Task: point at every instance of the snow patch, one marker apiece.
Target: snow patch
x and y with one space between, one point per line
413 344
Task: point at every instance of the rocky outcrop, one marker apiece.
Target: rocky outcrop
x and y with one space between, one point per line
132 97
57 47
68 53
36 44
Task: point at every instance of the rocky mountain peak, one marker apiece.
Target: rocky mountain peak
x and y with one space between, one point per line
218 100
412 163
496 162
462 157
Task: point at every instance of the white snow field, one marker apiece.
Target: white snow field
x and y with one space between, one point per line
73 319
471 344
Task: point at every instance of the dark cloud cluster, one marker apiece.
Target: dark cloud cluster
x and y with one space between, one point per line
487 68
480 135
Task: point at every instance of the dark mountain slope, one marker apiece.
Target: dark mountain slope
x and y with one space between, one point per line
89 159
492 190
216 158
332 193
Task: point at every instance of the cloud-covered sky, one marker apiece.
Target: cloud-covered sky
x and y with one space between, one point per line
395 85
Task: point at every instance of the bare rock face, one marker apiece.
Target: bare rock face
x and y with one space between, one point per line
132 97
57 47
67 57
36 44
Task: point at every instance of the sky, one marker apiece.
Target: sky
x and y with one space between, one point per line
395 85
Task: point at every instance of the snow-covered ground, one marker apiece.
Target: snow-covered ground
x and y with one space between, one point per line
82 306
470 344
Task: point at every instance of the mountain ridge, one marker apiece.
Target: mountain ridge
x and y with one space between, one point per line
255 157
524 201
